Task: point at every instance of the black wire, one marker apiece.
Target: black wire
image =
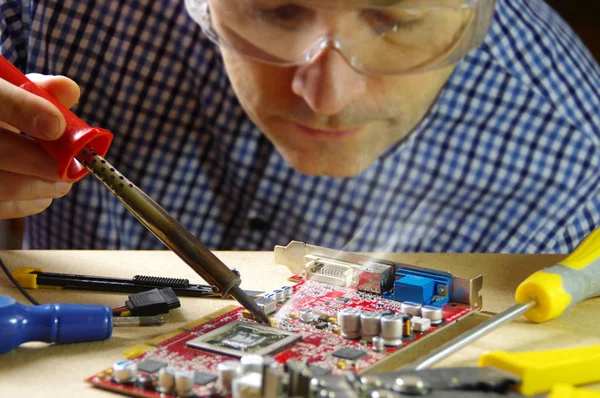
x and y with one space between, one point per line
14 281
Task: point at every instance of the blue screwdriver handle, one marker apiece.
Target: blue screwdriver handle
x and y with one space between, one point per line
52 323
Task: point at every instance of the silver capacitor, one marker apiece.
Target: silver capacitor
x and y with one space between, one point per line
378 344
391 329
247 386
271 379
184 383
349 321
228 370
125 372
166 380
288 291
370 325
279 295
252 364
306 316
411 308
434 314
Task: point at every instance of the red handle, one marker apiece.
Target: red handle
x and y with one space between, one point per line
77 134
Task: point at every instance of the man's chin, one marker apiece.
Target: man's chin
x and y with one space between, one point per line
316 166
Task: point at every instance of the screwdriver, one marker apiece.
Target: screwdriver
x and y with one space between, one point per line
59 323
544 295
81 149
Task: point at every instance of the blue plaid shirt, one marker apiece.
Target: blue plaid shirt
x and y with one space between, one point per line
507 160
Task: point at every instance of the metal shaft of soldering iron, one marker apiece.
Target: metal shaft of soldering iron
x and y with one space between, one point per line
181 241
468 337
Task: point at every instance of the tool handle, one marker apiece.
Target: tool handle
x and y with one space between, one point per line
77 134
52 323
559 287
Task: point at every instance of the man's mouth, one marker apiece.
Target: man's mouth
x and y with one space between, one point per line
325 133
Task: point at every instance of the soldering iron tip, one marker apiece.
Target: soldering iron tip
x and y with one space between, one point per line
249 304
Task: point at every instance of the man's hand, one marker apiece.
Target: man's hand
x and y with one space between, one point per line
28 175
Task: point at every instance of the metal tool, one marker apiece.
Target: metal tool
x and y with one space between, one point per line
544 295
33 278
82 147
59 323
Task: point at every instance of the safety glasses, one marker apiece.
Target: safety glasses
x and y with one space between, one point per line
381 37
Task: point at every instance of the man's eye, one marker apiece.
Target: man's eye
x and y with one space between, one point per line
290 15
386 21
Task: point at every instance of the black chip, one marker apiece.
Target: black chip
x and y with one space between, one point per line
342 299
202 379
322 325
150 365
323 318
318 371
349 353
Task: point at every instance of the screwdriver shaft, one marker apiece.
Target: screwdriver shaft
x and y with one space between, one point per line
468 337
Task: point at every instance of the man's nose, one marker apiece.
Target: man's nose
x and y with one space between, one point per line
328 83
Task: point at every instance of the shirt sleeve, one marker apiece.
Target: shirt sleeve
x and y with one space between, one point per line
13 43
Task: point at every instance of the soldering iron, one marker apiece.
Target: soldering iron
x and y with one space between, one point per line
81 149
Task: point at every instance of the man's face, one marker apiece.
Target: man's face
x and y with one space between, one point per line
324 116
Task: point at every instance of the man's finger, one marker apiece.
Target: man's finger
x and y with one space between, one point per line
29 113
21 155
22 208
65 90
15 186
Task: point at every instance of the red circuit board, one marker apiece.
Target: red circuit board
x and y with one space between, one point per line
315 347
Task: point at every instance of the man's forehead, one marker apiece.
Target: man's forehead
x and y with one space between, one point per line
369 3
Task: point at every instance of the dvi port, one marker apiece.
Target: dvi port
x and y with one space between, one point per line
333 272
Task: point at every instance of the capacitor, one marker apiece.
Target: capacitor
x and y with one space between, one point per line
378 344
370 325
306 316
252 364
146 382
434 314
125 372
391 329
247 386
410 308
166 380
407 329
279 296
184 383
227 371
272 379
420 324
349 321
288 291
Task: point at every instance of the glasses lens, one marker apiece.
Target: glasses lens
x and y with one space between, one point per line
389 39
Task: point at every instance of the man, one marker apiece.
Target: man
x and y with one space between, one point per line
429 125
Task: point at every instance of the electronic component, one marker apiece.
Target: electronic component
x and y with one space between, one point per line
421 287
421 324
410 308
145 382
247 386
349 321
125 372
152 302
288 291
202 378
375 278
434 314
407 329
370 325
322 325
279 296
342 300
227 371
252 364
267 305
378 344
349 353
184 383
150 366
318 371
166 380
333 272
307 316
241 338
391 329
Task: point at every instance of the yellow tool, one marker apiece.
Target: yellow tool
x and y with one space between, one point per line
544 295
548 370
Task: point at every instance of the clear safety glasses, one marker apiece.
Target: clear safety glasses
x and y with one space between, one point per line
382 37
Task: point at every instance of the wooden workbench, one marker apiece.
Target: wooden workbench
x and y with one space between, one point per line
39 370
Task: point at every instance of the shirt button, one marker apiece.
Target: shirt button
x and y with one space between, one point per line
258 224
